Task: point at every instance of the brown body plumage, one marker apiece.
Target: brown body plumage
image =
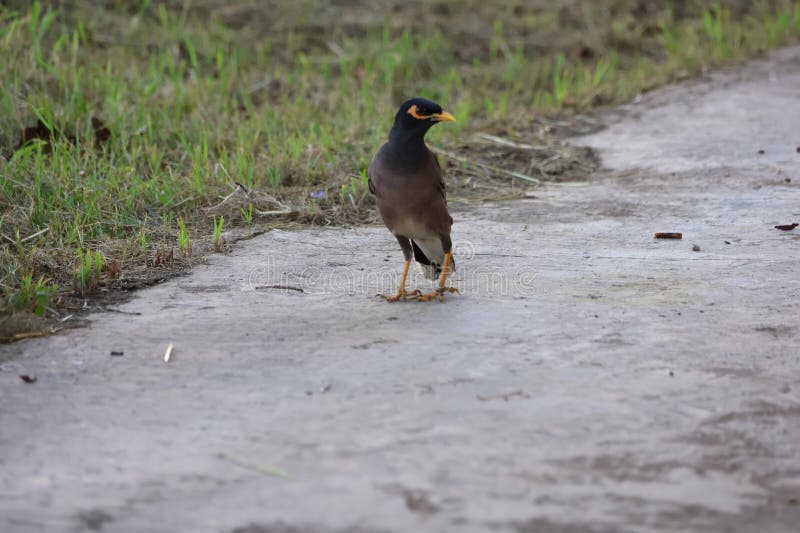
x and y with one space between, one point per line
408 185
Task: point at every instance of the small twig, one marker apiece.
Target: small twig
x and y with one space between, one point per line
336 49
189 199
236 190
505 142
488 167
29 237
17 183
168 353
504 396
263 84
238 187
235 184
286 211
280 287
243 187
27 335
269 471
110 310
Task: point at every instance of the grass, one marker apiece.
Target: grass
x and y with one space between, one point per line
219 242
247 215
145 121
29 296
86 274
184 242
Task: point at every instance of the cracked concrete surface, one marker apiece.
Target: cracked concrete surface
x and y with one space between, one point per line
589 378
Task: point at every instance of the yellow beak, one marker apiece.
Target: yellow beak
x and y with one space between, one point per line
444 116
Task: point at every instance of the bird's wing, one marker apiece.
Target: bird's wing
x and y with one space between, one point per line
369 180
440 173
440 184
372 172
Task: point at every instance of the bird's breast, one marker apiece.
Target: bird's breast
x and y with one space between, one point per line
411 227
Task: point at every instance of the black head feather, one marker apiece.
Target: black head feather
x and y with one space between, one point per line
415 117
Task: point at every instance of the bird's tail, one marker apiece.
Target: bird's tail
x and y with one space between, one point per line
430 259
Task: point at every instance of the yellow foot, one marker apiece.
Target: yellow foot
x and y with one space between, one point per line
438 292
401 295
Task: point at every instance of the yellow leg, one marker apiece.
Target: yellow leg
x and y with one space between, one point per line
401 291
441 289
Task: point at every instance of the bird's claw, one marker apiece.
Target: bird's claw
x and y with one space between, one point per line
442 290
402 295
439 292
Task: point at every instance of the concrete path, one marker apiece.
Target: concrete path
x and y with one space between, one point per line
589 378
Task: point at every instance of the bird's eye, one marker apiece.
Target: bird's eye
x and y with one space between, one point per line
422 111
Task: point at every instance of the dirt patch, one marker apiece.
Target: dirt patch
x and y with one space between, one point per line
499 166
18 326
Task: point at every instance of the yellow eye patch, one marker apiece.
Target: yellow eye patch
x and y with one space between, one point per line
444 116
414 113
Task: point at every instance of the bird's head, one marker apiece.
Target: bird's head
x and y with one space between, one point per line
419 114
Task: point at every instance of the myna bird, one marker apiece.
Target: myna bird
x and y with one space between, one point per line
408 185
